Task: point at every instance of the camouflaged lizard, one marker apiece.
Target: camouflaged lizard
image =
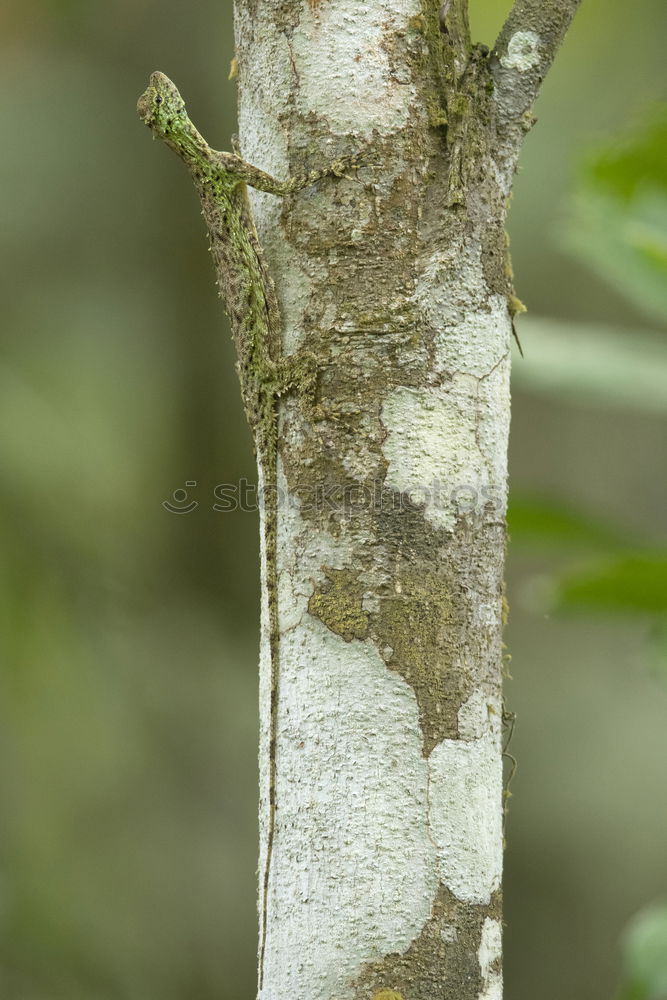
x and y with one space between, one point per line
249 297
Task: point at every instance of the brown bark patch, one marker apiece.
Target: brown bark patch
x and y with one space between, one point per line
421 618
412 630
440 964
338 604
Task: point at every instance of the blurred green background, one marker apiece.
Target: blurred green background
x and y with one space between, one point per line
128 636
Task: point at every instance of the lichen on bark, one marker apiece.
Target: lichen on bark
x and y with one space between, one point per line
338 604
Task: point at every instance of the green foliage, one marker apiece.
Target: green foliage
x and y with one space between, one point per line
597 365
625 169
644 949
535 521
618 226
635 584
619 217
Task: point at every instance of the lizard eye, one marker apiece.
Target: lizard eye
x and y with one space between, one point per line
158 99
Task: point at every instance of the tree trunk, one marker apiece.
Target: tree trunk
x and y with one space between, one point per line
380 675
384 874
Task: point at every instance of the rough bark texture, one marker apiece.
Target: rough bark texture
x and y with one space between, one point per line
385 871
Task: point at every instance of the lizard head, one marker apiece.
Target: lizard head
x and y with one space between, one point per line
161 106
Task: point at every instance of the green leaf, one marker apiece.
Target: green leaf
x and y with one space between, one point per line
622 167
634 584
618 220
644 949
535 521
625 243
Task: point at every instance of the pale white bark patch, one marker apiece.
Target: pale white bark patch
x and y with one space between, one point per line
492 435
348 44
263 143
465 798
433 450
477 341
523 51
490 951
348 884
472 328
447 446
303 553
479 715
354 870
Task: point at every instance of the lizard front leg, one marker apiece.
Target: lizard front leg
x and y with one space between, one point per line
162 108
233 164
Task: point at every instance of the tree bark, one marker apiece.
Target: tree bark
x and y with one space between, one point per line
384 868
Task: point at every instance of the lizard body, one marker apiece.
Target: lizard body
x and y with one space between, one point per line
249 297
